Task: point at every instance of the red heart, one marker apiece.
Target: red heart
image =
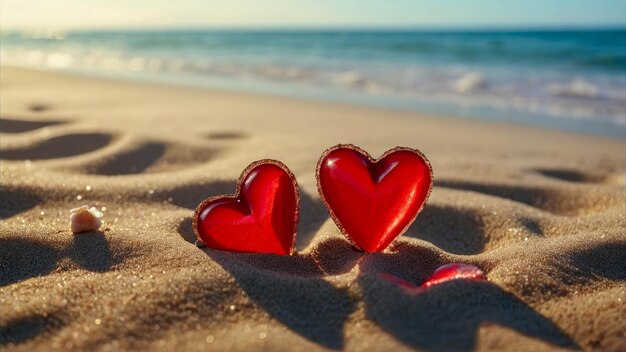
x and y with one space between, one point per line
373 201
262 217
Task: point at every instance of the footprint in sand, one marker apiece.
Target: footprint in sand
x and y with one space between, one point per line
572 201
149 157
140 156
58 147
131 156
8 125
227 135
571 175
39 107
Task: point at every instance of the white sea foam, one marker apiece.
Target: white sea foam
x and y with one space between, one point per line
469 82
578 88
350 78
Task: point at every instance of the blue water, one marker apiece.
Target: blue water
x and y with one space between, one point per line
573 80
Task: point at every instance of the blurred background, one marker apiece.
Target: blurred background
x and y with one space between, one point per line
555 63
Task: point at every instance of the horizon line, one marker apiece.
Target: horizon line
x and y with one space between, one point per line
330 27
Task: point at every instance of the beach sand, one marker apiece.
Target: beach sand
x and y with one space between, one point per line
541 212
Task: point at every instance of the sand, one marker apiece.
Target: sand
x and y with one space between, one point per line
542 213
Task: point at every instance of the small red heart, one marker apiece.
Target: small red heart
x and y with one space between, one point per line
261 217
373 201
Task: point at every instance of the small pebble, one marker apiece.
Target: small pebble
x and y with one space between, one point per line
84 219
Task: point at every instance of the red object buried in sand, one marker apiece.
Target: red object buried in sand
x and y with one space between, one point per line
262 217
373 201
454 271
445 273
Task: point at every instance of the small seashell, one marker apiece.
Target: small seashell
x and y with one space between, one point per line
84 219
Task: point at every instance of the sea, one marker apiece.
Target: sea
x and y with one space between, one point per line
571 80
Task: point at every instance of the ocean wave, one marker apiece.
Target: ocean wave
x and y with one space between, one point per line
578 88
365 66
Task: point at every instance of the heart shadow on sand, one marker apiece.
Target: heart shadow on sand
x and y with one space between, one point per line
448 316
293 290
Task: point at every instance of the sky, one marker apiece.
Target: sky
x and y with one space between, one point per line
97 14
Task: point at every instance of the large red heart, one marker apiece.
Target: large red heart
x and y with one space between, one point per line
373 201
262 217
